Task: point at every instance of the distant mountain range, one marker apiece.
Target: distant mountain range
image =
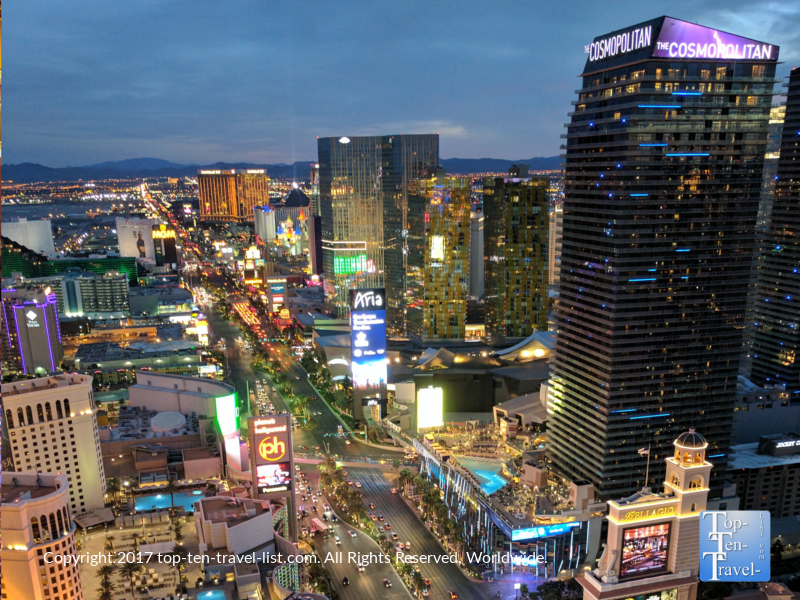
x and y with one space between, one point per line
136 168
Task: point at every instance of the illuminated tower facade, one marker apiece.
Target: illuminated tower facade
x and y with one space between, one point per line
363 196
776 349
664 157
515 245
438 258
232 195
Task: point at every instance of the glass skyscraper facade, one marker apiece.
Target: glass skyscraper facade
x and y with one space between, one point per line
437 272
363 195
516 265
664 158
776 350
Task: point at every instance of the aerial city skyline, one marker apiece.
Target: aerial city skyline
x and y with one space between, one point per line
313 358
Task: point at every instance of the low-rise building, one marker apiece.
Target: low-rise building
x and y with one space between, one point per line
767 474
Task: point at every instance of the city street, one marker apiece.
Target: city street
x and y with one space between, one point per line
445 577
241 371
363 585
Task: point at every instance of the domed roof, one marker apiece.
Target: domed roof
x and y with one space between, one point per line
691 439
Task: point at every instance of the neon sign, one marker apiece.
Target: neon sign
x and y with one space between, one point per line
272 449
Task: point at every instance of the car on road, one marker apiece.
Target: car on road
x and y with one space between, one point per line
337 541
417 569
345 581
394 490
327 506
408 544
395 537
427 583
349 482
358 484
388 526
372 505
381 529
360 568
347 442
387 583
453 596
425 593
380 517
373 517
401 546
352 533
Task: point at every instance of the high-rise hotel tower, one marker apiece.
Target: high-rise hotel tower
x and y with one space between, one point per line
664 156
776 351
363 199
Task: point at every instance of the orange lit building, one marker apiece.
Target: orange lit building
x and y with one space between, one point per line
232 195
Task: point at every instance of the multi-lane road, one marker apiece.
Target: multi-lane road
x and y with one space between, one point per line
242 375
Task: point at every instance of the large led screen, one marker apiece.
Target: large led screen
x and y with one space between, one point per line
276 477
644 550
679 39
430 407
227 414
368 342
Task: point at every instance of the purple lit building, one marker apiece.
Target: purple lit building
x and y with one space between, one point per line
31 336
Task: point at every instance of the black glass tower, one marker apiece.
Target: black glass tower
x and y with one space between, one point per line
776 350
664 157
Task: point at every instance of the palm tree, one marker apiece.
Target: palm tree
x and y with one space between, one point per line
135 537
171 488
180 555
396 467
107 587
113 488
110 542
131 570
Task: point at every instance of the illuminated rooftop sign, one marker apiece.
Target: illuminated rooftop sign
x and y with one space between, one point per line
227 414
679 39
620 43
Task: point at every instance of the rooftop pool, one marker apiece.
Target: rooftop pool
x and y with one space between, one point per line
212 595
487 473
162 501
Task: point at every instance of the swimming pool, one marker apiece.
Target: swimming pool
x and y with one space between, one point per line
487 473
212 595
161 501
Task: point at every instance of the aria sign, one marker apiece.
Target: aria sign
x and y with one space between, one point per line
369 299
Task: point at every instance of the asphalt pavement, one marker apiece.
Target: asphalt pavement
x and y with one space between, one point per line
366 585
445 577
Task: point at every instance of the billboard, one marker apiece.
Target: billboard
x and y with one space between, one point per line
368 343
271 453
349 265
679 39
135 238
644 550
227 414
276 477
430 407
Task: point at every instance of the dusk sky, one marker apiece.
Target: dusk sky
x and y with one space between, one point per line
204 81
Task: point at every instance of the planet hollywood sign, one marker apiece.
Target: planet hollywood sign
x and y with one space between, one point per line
621 43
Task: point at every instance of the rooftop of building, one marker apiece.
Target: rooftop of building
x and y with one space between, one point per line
137 423
746 456
108 351
26 292
18 487
232 511
44 383
159 290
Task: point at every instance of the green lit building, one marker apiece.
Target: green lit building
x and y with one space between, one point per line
437 272
516 269
20 260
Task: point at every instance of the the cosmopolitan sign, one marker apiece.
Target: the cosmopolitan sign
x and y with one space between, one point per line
679 39
620 43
